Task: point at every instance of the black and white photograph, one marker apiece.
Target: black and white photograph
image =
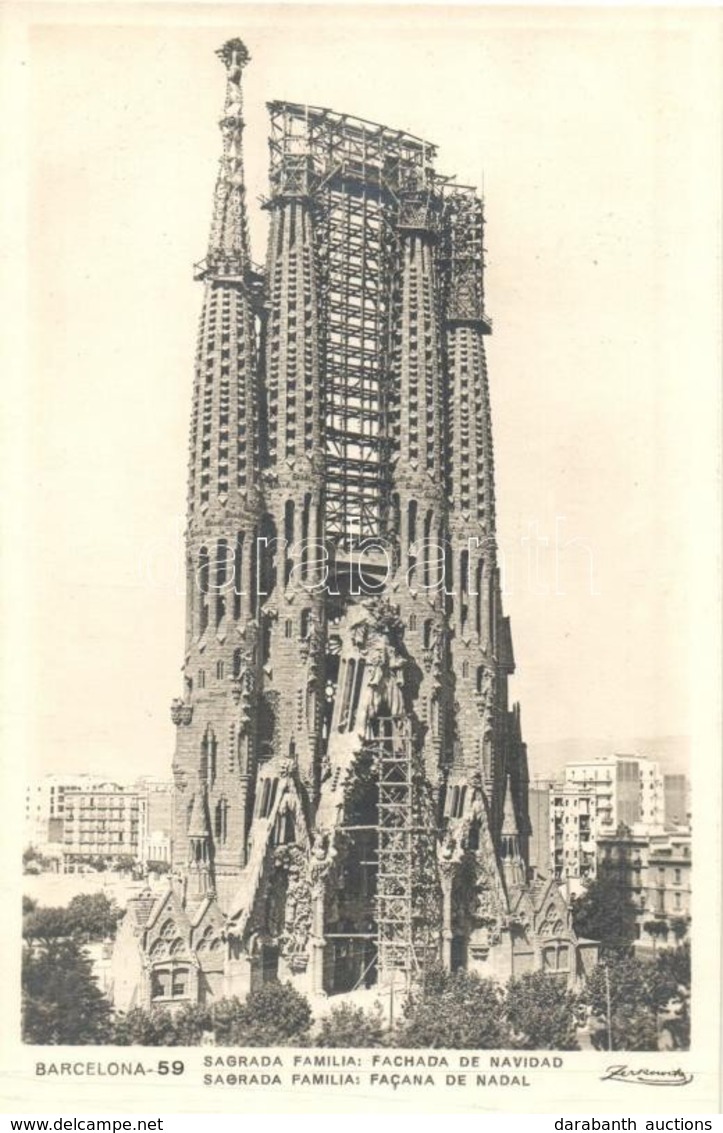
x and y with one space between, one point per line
361 589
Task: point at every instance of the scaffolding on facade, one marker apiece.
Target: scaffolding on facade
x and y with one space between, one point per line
354 173
396 845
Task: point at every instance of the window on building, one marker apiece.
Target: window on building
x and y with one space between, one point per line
160 983
347 688
221 821
179 983
268 795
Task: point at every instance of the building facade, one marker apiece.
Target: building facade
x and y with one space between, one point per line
593 799
79 818
351 785
676 793
539 804
653 874
628 789
104 821
573 832
45 807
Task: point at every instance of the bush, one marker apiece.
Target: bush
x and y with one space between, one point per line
639 990
457 1010
349 1026
62 1003
139 1027
542 1013
275 1014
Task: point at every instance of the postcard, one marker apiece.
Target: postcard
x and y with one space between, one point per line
361 494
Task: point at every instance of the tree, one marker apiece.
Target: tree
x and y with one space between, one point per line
46 924
605 912
139 1027
226 1014
89 916
674 965
457 1010
34 861
124 863
639 990
274 1014
679 927
656 930
94 915
542 1013
349 1026
29 905
61 1002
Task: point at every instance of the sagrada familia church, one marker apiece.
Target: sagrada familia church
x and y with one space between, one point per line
350 778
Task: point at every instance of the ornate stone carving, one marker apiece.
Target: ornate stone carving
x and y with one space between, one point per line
294 937
486 701
181 711
323 854
310 644
242 689
180 779
449 855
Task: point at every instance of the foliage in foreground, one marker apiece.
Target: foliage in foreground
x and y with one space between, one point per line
458 1010
645 995
350 1026
61 1002
542 1013
275 1014
89 916
605 912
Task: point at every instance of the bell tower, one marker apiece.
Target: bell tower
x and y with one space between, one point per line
215 755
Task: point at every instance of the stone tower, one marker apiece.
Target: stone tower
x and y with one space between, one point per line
351 781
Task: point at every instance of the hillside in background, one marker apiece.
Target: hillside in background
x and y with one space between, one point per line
546 760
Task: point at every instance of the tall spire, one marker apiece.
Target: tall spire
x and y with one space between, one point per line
215 741
228 246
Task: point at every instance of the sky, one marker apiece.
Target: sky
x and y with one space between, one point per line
596 136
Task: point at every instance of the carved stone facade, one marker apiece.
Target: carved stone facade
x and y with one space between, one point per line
351 781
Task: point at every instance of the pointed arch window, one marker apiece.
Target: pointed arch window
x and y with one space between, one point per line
288 540
221 578
463 588
220 824
209 754
237 574
347 694
204 579
478 598
411 540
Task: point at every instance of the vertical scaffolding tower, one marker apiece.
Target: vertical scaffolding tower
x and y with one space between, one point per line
396 833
